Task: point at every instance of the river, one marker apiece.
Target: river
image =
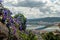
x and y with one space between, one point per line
42 27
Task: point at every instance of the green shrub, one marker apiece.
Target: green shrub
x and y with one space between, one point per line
50 36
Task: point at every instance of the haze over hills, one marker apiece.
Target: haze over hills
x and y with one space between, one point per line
47 19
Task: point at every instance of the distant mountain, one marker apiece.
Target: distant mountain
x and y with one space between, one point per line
47 19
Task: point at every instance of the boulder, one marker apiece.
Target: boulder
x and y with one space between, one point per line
3 31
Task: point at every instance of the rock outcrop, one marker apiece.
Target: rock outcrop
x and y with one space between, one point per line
3 32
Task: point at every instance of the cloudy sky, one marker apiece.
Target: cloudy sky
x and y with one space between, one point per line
34 8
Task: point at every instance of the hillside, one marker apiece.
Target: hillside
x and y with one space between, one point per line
47 19
3 31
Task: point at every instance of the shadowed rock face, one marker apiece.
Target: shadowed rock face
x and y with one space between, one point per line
3 32
3 36
3 28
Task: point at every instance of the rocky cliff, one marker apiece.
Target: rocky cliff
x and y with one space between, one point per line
3 31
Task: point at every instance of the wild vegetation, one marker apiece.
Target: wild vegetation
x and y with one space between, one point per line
50 36
16 26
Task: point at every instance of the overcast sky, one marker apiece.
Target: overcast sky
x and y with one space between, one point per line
34 8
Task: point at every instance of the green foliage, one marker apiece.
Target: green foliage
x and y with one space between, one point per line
32 36
25 36
22 19
0 18
50 36
22 35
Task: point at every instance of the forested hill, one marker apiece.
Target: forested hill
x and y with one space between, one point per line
47 19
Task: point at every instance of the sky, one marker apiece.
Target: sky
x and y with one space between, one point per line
32 9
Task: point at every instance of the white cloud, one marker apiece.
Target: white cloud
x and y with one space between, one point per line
41 8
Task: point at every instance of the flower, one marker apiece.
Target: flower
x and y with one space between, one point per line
14 32
11 19
5 12
20 28
4 17
14 29
8 24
